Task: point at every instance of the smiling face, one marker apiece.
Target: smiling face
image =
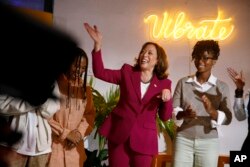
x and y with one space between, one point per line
77 69
204 62
148 57
205 54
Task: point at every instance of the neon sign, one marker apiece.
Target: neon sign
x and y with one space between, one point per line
217 29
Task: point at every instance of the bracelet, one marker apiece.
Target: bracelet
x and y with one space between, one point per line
238 93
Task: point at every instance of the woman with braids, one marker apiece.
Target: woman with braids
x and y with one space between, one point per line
75 119
201 103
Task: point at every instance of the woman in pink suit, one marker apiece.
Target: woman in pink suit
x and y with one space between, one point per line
145 92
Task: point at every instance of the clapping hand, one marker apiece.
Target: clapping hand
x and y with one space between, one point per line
187 113
207 104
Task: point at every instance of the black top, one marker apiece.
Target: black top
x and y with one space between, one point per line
248 109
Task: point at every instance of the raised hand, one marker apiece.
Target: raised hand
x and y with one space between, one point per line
95 35
237 78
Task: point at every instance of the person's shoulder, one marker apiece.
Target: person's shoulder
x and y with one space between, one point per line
221 83
186 78
89 88
127 67
89 92
166 80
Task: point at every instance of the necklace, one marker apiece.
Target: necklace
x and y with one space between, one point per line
148 81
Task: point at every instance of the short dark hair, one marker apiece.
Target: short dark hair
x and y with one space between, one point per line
211 46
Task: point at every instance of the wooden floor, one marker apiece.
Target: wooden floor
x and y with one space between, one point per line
165 160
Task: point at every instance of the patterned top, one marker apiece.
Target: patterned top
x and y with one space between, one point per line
75 113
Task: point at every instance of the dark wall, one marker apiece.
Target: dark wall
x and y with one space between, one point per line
43 5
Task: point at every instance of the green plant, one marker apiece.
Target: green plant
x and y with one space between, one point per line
167 126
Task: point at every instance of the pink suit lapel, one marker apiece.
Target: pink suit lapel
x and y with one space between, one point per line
152 89
136 79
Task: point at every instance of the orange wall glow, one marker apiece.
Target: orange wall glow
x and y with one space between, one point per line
180 27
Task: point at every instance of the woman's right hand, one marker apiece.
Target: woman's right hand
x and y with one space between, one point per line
188 113
74 137
95 35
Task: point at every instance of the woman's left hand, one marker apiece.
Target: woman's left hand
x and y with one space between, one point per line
207 104
165 95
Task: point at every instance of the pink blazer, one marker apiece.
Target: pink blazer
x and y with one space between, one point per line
133 118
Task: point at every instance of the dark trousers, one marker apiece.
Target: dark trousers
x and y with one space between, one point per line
246 145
